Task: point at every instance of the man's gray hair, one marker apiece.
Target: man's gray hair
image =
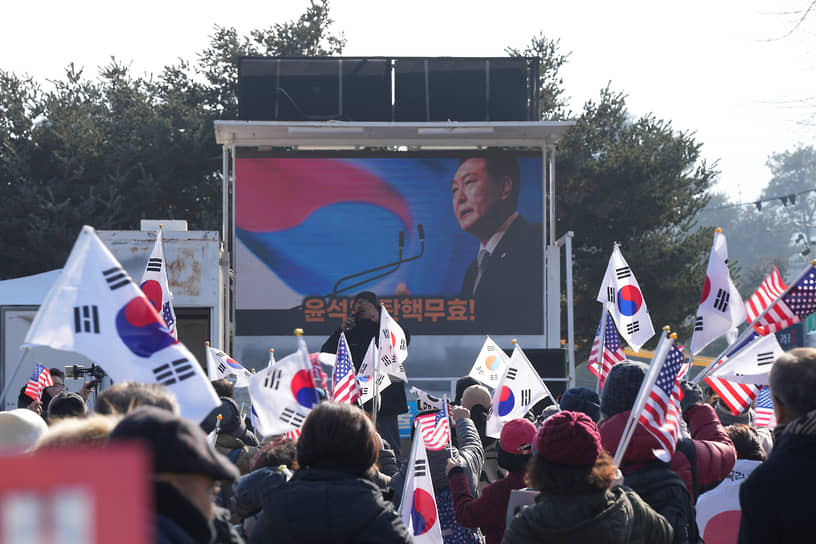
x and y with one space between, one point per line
793 381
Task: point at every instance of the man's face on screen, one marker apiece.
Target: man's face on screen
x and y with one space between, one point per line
475 197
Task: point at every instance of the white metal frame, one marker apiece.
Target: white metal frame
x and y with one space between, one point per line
339 135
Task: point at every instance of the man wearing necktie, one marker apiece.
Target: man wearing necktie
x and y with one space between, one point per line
506 278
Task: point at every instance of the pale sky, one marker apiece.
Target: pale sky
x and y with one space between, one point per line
720 68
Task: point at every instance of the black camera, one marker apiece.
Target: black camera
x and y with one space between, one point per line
76 372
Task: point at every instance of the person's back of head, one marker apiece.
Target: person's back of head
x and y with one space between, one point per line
582 399
223 388
516 444
461 384
338 436
122 397
231 421
91 431
792 381
728 417
621 387
746 442
66 405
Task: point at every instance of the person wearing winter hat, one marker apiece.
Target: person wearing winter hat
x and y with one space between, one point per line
576 504
712 448
185 471
20 429
477 399
582 399
488 512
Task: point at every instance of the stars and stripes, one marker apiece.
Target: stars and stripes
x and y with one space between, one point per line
435 428
764 416
661 414
39 380
769 290
345 387
792 307
612 351
737 396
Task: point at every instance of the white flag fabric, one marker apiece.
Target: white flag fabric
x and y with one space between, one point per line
366 374
283 395
519 388
721 306
393 346
752 364
95 309
718 510
490 364
426 401
626 304
156 287
418 506
220 365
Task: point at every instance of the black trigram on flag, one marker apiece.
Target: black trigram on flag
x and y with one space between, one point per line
765 358
175 371
419 468
494 377
154 264
610 294
480 370
623 272
721 302
116 277
511 373
386 359
525 397
86 319
291 417
633 327
273 379
698 323
222 368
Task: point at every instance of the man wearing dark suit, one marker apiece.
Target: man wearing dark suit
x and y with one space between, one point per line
506 278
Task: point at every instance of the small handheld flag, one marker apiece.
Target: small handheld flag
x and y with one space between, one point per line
345 387
620 289
156 287
490 364
418 507
435 429
40 379
220 365
393 346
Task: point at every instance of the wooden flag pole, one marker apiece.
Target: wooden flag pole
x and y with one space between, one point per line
374 387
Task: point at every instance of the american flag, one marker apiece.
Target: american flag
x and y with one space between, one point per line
765 416
40 379
793 306
612 351
661 415
435 429
345 387
737 396
771 289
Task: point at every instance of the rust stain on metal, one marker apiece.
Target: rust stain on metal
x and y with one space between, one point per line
184 271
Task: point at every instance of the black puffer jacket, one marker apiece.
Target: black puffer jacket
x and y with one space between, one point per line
319 505
615 516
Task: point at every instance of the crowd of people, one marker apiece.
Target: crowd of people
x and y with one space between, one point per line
341 480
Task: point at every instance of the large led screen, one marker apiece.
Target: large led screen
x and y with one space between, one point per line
304 222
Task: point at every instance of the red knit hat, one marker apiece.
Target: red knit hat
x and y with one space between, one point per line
568 438
517 436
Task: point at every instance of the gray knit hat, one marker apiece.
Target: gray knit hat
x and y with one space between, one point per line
621 387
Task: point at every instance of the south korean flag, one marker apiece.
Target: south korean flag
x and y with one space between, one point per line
283 395
721 305
490 364
627 307
95 309
366 376
156 286
393 346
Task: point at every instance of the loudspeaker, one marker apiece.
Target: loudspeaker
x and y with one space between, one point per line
314 89
456 89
